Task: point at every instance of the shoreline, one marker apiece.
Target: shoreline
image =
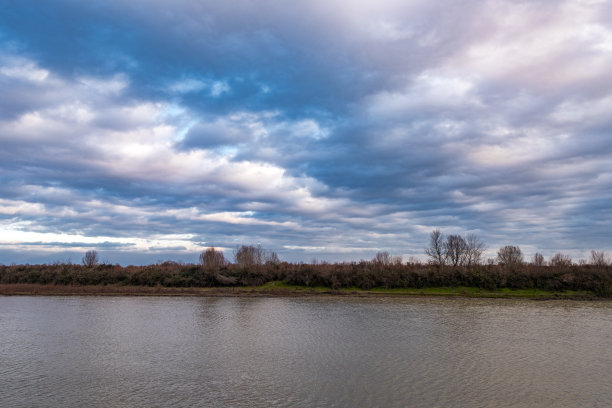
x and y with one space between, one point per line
279 289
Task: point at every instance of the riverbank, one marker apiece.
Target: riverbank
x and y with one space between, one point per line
287 279
281 289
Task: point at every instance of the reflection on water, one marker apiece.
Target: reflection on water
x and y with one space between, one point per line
313 352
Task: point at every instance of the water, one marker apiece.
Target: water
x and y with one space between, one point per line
303 352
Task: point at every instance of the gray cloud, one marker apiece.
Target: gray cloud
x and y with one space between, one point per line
330 130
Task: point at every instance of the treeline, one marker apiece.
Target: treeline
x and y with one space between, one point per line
453 261
363 275
456 250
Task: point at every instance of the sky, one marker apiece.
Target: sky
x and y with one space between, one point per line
149 130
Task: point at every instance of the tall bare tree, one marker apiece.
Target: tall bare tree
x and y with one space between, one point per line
212 257
90 258
456 249
474 250
272 258
435 250
248 255
382 258
510 255
598 258
537 259
560 260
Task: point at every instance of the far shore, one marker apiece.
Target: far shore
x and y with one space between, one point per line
280 289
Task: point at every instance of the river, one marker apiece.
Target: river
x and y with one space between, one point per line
303 352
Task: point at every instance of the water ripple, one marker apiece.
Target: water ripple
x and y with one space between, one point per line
219 352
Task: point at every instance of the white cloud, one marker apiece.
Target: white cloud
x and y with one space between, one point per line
187 85
218 88
355 123
308 128
13 238
135 141
583 111
389 31
105 86
22 69
191 85
427 91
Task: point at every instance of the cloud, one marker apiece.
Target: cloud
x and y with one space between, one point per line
190 85
322 129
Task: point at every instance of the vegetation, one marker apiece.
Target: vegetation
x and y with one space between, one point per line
212 258
454 249
90 259
362 275
510 255
455 266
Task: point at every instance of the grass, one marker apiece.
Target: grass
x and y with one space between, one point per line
280 288
460 291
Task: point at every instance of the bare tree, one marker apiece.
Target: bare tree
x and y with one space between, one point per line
413 260
248 255
385 258
510 255
456 249
598 258
212 257
560 260
382 258
90 258
537 259
475 248
272 258
435 250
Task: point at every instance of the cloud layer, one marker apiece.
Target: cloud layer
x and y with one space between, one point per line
152 129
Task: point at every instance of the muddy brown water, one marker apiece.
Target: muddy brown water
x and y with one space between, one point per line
303 352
